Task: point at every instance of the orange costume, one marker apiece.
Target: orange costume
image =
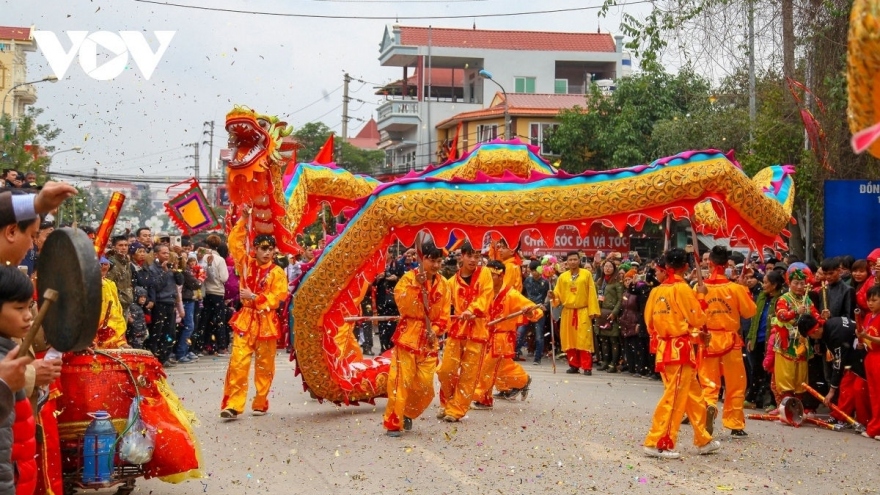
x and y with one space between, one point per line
465 348
255 327
726 303
580 303
414 355
499 369
673 316
513 273
111 328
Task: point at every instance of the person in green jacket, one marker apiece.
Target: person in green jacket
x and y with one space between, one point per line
759 393
610 290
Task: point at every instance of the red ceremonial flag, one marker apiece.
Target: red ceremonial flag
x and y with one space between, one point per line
326 154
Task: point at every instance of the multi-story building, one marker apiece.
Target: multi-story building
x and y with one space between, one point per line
441 78
15 43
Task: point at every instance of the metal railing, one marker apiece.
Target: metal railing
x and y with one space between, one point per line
392 108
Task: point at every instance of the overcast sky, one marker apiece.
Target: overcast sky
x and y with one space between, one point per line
287 66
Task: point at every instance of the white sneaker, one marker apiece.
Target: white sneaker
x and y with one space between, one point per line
663 454
709 447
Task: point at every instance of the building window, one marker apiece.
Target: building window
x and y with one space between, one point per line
561 86
538 133
486 133
523 84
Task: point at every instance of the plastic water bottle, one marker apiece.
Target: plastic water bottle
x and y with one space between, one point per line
99 449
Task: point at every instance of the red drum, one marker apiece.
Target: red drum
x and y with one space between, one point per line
108 380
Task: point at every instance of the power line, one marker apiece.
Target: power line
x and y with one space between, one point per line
328 113
384 17
137 179
319 100
144 156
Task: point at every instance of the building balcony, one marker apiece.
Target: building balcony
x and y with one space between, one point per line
25 95
398 115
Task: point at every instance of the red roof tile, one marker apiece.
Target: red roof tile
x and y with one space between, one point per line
550 101
507 40
15 33
521 105
370 130
367 138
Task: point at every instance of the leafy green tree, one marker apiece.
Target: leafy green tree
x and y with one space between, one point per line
141 209
25 143
360 161
615 130
73 209
311 137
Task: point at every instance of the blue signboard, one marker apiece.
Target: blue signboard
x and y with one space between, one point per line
852 217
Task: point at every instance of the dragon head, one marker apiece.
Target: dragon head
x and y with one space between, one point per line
259 152
255 140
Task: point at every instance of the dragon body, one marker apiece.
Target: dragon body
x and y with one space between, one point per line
501 187
863 76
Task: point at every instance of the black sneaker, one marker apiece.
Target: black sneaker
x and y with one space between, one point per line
572 370
738 433
587 372
407 423
393 433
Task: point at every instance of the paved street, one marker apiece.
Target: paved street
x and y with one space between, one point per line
574 434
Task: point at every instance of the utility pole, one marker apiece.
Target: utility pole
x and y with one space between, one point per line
209 131
346 81
196 156
752 111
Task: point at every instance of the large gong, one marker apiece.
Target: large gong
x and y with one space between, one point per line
67 264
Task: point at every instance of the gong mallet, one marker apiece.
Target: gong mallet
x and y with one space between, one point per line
49 296
763 417
370 318
513 315
858 427
823 424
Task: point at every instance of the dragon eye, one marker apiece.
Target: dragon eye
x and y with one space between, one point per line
263 123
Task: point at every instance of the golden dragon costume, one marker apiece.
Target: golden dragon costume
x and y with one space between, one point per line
502 186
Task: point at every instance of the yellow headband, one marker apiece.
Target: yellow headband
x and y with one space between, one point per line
496 271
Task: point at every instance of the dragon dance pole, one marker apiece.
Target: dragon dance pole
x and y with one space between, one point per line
114 207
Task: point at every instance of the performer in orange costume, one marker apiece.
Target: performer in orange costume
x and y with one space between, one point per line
111 329
512 265
414 355
472 294
673 315
255 326
726 303
499 369
576 292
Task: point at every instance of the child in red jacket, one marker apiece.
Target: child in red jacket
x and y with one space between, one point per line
18 445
